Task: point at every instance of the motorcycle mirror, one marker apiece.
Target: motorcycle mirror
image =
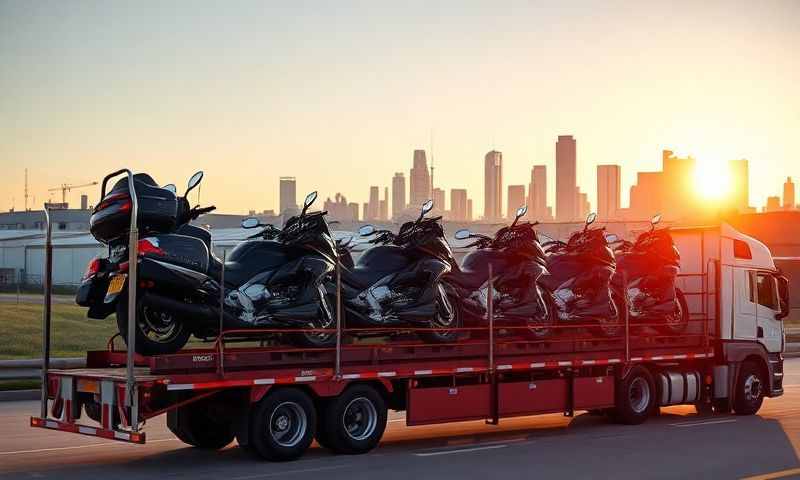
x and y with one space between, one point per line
366 230
462 234
521 211
250 222
611 238
427 207
194 182
656 219
590 219
309 200
171 187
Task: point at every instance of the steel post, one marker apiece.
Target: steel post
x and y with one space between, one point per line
220 339
46 316
338 367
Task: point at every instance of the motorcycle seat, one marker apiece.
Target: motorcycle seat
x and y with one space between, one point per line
467 278
236 273
361 277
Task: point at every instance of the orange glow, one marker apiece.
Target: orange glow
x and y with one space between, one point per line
712 180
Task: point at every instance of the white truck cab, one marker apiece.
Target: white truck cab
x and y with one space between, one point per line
746 297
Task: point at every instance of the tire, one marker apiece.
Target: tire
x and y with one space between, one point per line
543 328
444 302
749 389
148 340
354 422
614 329
722 405
681 314
635 397
282 425
199 425
327 319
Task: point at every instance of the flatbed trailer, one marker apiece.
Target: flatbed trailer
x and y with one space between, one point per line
275 400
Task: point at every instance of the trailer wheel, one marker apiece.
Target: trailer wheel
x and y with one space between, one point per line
749 389
354 421
282 425
636 397
198 425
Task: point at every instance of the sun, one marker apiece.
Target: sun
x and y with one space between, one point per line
712 179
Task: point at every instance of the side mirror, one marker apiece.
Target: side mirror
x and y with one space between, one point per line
194 182
656 219
462 234
171 187
427 207
309 200
591 218
250 222
611 238
783 297
521 211
366 230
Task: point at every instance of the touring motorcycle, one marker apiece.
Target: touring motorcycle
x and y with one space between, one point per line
647 271
517 261
579 282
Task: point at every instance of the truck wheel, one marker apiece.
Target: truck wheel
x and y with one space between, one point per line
636 397
749 389
157 332
354 421
197 425
282 425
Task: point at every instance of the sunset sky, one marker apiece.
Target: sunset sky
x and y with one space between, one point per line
339 94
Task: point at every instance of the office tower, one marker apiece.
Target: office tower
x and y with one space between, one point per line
458 204
493 186
678 187
374 205
339 209
537 194
288 196
645 199
398 195
385 204
469 210
353 210
438 200
773 204
608 191
516 199
584 207
365 213
740 185
566 182
788 194
84 202
420 180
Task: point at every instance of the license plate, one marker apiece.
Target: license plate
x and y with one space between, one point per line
116 284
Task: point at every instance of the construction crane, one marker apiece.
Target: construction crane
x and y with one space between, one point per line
66 187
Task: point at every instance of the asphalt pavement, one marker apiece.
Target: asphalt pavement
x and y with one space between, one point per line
676 444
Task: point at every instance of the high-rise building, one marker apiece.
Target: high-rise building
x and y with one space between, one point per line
773 204
537 194
384 205
374 206
288 196
788 194
398 195
493 186
608 191
678 187
584 207
516 199
420 180
740 185
458 205
645 200
566 180
353 210
469 210
339 209
438 200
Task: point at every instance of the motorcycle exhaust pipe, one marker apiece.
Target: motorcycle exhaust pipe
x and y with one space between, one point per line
199 311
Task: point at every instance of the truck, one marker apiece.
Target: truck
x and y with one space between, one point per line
276 400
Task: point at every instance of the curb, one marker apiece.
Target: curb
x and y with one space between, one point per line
20 395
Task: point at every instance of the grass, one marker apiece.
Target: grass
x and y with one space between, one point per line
72 334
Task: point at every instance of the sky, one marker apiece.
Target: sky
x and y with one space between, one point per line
339 94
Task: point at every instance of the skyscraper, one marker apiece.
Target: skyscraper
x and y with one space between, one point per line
646 198
438 200
537 194
773 204
288 196
420 180
678 190
398 194
566 181
584 207
788 194
384 205
740 185
374 206
516 199
469 210
458 204
493 186
608 191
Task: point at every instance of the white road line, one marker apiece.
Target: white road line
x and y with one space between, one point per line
289 472
75 447
460 450
698 424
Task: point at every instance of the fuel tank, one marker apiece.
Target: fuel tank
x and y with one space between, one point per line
383 258
477 262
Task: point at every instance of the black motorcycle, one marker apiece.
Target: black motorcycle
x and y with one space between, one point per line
580 280
647 271
517 261
266 282
398 282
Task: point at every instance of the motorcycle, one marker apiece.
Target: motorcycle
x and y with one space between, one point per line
646 271
265 283
517 261
580 280
398 282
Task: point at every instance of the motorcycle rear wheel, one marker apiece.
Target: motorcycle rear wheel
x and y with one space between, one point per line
443 336
158 332
319 339
680 318
614 327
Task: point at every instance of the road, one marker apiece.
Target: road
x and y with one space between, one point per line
677 444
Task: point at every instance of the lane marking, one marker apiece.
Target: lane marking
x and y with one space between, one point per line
772 475
461 450
290 472
75 447
698 424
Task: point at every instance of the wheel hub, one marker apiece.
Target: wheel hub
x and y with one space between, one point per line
752 388
360 418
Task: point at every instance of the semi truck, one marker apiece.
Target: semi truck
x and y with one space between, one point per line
275 401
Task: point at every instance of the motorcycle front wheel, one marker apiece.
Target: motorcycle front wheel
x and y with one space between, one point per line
158 332
447 315
678 320
541 327
325 320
